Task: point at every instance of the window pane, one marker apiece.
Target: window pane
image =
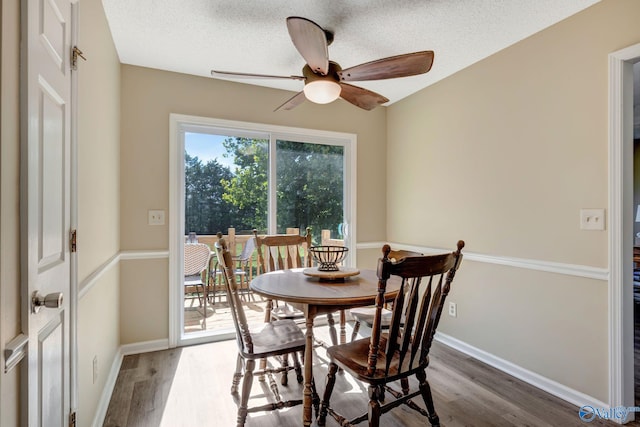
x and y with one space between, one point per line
310 187
225 183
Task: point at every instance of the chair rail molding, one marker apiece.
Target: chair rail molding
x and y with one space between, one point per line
529 264
93 278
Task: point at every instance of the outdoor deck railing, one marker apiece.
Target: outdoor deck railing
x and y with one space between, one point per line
236 243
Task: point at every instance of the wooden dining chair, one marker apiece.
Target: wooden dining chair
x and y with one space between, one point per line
276 338
280 252
403 351
365 315
284 251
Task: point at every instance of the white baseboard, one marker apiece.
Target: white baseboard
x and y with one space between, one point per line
550 386
107 391
145 347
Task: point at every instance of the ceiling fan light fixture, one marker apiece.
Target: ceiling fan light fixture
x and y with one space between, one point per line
322 91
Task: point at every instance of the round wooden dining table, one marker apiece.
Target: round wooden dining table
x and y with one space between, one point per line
315 296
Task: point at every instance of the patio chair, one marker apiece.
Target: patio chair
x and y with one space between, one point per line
196 260
277 338
403 351
243 264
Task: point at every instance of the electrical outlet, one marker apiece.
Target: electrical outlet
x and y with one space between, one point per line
156 217
591 219
453 309
95 369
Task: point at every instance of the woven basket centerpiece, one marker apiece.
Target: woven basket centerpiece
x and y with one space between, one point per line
328 257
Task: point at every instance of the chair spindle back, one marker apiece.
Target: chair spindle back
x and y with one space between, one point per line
283 251
243 334
426 281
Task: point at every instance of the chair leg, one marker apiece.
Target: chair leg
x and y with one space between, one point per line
375 396
404 382
428 398
331 381
263 368
285 374
243 287
212 284
199 296
356 329
267 311
267 319
297 367
332 329
315 399
343 327
237 375
246 392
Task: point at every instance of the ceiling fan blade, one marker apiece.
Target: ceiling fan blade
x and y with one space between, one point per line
235 75
361 97
292 102
409 64
311 41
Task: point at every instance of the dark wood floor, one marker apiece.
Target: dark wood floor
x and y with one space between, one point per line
190 387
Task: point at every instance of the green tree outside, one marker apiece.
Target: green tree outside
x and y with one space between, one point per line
206 211
309 188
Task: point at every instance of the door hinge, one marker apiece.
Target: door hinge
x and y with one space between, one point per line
75 53
72 419
73 241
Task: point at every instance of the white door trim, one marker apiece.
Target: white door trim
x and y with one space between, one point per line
176 205
621 378
73 220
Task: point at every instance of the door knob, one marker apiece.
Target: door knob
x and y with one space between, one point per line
52 300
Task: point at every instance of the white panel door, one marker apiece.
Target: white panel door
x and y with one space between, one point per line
46 94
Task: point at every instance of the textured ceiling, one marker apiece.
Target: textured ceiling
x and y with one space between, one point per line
195 36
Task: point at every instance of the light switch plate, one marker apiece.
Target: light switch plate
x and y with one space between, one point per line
592 219
156 217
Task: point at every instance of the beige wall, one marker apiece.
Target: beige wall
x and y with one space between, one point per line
99 338
148 97
504 154
98 206
9 207
98 142
144 300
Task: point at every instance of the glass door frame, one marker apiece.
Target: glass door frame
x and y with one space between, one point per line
180 124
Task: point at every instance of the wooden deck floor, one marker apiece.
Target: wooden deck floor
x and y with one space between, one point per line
218 314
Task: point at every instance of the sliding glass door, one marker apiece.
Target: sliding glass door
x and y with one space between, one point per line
309 187
236 179
225 182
